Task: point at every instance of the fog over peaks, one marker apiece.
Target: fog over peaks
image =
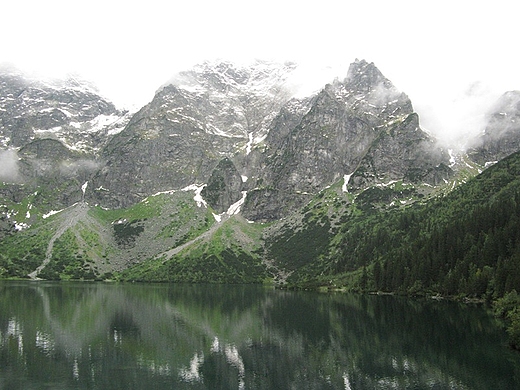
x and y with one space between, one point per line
9 171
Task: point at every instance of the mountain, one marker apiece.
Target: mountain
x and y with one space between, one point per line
70 111
361 131
50 135
501 136
203 116
227 175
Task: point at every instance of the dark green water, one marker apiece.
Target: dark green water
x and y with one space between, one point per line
108 336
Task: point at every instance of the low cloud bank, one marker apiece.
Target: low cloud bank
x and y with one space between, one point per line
9 170
458 120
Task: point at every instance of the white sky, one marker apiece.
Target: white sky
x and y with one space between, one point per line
452 57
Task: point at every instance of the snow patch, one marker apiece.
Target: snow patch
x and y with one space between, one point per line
384 185
212 129
244 179
249 144
170 192
198 197
56 129
21 226
346 179
453 159
102 121
50 213
84 187
235 207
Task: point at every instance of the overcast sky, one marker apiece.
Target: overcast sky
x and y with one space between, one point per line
452 57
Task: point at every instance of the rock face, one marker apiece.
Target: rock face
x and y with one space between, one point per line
402 151
224 186
204 115
69 111
289 149
345 130
50 135
502 133
229 128
235 101
162 148
237 136
49 166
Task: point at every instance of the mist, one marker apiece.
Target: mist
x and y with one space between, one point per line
9 170
79 167
457 119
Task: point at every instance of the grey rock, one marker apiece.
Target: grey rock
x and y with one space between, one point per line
402 151
501 136
68 110
362 117
202 116
224 186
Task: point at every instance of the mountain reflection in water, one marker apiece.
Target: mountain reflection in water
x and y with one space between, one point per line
122 336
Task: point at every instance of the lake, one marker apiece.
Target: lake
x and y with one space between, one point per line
136 336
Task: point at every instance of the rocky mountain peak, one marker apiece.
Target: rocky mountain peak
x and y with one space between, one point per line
501 136
363 77
68 110
218 77
363 123
225 99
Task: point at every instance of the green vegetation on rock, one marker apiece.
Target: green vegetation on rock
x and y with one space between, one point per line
232 254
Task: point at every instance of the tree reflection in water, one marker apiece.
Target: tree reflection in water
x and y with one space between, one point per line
111 336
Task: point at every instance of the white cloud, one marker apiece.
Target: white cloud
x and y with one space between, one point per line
9 171
432 50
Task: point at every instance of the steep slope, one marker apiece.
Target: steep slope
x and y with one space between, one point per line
215 111
402 151
237 101
466 242
363 120
70 111
50 134
231 252
501 136
174 194
224 186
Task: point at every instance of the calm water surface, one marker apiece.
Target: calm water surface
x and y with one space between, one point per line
111 336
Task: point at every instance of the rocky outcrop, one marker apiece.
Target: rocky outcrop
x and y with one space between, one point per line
402 151
67 110
202 116
163 147
349 124
501 136
224 186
